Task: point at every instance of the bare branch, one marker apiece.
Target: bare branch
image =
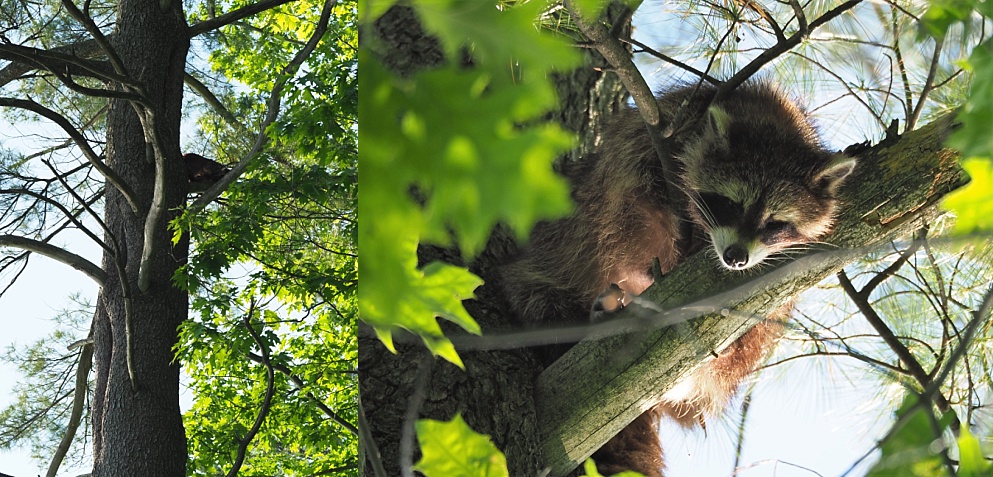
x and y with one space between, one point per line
231 17
81 142
782 47
78 404
928 85
97 35
861 300
668 59
157 208
618 57
56 253
71 59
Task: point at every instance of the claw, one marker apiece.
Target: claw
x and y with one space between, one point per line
609 302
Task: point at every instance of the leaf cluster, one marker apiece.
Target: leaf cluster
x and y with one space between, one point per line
449 152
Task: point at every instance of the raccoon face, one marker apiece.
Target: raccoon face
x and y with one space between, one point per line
751 217
760 184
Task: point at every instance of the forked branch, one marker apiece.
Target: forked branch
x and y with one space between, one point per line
272 111
233 16
81 142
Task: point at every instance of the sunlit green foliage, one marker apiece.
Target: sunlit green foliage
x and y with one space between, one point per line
907 451
281 244
972 137
452 449
449 152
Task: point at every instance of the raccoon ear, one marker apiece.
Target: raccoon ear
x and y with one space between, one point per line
834 173
717 122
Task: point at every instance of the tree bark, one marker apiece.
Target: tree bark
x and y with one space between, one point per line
138 429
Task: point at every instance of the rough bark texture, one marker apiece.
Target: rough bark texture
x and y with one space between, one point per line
495 392
141 432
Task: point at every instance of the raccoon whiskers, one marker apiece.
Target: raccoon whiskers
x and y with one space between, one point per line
703 208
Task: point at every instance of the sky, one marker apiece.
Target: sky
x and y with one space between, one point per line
26 313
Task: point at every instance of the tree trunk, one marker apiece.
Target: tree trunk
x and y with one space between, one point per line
138 429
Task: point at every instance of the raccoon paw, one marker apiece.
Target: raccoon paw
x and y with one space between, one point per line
611 301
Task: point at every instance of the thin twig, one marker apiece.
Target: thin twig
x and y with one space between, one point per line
266 401
904 354
414 410
619 58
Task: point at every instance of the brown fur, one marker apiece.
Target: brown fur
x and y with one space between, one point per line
754 147
201 171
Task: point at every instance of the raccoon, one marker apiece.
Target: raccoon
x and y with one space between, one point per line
754 180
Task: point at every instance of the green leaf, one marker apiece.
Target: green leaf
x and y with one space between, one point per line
907 451
942 14
973 204
373 9
453 449
497 36
972 463
450 152
973 138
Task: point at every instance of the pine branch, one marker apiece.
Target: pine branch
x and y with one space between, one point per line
81 142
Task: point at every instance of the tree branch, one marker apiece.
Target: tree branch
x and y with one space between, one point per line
618 57
70 59
782 47
56 253
78 404
300 384
266 401
214 103
81 142
272 111
233 16
861 300
97 35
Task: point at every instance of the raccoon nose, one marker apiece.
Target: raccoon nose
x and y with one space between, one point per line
735 256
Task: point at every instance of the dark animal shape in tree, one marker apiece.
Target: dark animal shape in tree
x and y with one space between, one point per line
202 172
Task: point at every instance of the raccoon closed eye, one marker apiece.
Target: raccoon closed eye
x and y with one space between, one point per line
777 227
722 209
